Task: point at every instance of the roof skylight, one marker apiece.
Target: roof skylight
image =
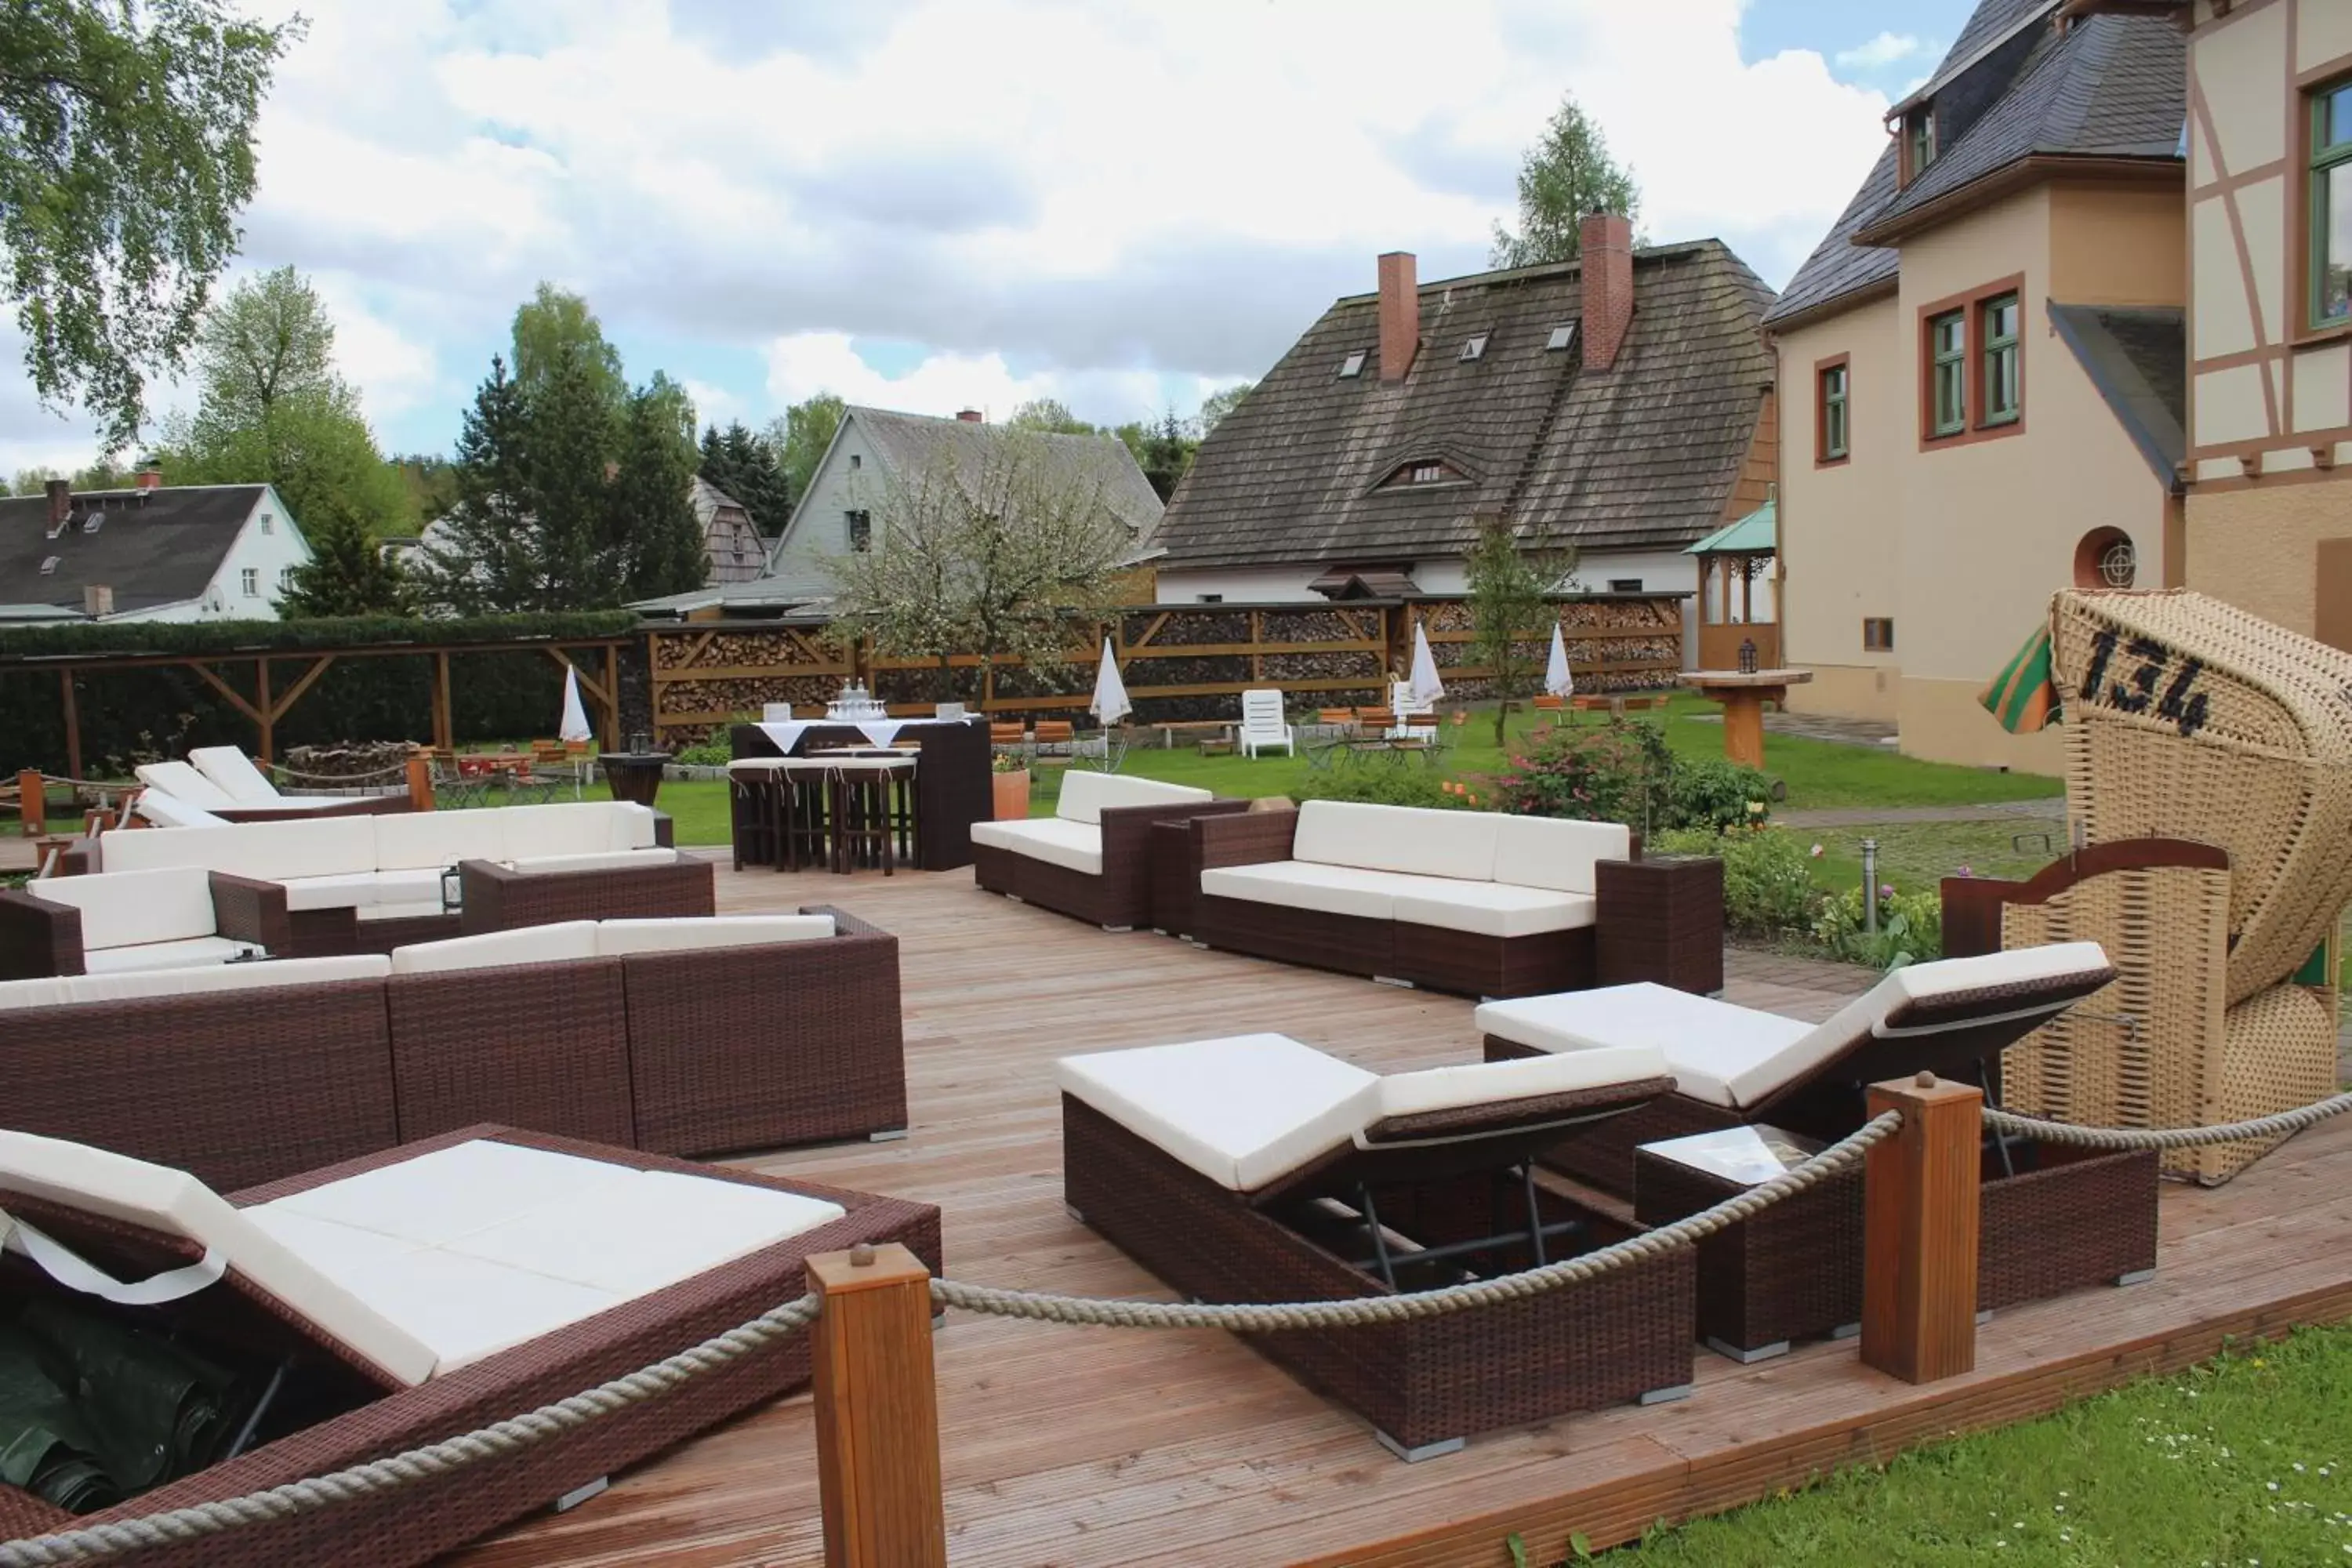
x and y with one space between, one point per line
1563 336
1353 365
1475 348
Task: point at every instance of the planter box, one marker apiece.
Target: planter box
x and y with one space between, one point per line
1011 795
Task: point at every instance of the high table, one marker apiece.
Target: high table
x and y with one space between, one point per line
1743 693
952 788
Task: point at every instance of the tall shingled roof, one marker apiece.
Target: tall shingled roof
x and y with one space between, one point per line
909 443
1645 454
152 548
2104 87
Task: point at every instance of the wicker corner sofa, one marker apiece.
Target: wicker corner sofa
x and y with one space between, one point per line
139 919
689 1037
1477 902
1092 858
348 1344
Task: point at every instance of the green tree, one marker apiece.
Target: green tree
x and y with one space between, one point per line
1163 450
745 467
1565 175
126 152
1048 417
649 500
271 339
554 327
348 571
485 559
572 435
799 438
1217 404
1512 592
431 483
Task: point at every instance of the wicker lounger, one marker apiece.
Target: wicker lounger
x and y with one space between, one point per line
1243 1170
369 1412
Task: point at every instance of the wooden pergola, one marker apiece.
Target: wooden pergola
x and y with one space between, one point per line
275 695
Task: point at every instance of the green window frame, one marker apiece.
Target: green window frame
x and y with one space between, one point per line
1948 346
2003 399
1920 133
2330 301
1834 422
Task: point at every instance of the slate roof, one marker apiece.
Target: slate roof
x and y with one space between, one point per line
1644 454
2138 359
2108 86
908 443
708 498
153 548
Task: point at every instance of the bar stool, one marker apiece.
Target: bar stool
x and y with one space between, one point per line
804 813
755 783
873 810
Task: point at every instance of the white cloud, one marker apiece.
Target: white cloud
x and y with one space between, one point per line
805 364
1886 49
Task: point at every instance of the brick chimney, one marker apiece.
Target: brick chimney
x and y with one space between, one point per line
60 504
972 416
1400 314
1608 276
151 477
97 599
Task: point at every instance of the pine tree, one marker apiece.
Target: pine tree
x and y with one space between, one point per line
649 506
570 444
1567 175
745 467
488 559
348 572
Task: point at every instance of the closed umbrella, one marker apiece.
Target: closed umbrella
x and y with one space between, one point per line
1110 704
1559 679
575 725
1427 687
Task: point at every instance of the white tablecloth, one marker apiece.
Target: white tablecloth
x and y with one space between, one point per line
786 733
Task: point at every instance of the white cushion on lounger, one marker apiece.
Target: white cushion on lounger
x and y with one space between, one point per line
179 780
1489 1083
1241 1110
1556 853
1085 793
532 944
1074 846
1418 841
696 934
435 840
133 909
235 774
1306 885
170 811
197 951
1496 908
437 1197
1706 1043
173 1202
597 860
467 1309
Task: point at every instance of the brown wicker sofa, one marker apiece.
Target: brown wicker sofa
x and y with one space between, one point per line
1476 903
676 1037
1092 858
343 1378
139 919
1259 1168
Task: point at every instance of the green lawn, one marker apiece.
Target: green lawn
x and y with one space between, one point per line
2244 1460
1916 854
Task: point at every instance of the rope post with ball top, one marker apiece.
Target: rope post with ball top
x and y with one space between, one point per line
878 1410
1919 1232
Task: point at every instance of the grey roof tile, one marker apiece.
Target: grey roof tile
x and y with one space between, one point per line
907 443
155 547
2138 361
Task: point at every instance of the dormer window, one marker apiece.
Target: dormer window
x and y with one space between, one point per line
1563 337
1351 367
1475 348
1918 142
1423 471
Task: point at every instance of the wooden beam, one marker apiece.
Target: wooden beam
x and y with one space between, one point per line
612 708
73 724
1919 1231
31 803
266 719
237 699
301 687
444 735
1159 621
878 1410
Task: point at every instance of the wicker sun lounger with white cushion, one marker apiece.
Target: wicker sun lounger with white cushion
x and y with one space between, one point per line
1260 1169
400 1298
1735 1065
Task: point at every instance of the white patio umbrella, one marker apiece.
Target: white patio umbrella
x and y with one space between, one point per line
1559 679
574 723
1110 704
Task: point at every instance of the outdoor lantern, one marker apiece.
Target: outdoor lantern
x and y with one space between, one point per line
1747 655
639 742
453 889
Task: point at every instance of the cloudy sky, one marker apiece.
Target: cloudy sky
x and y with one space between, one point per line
934 204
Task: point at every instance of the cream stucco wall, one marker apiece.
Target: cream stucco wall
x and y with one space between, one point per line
2117 244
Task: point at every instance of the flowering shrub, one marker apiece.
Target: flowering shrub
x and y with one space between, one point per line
1007 763
1389 786
1617 772
1910 927
1767 891
1711 792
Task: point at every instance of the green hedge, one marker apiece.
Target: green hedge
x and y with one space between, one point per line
132 715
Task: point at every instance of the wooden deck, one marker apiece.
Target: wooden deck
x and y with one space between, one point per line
1067 1446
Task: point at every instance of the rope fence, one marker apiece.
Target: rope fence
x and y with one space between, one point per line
103 1541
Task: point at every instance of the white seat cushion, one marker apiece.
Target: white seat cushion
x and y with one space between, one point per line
1528 1078
236 775
1086 793
419 910
532 944
128 909
696 934
1417 840
596 860
1556 852
435 840
1710 1047
1075 845
1299 885
1242 1110
193 952
363 890
1496 908
450 1193
182 782
171 811
176 1204
266 851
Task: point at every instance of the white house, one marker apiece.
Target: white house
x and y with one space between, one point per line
151 552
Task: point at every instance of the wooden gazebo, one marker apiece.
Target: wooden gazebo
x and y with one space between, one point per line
1729 560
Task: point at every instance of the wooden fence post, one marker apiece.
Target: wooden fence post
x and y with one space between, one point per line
31 803
877 1414
420 784
1919 1231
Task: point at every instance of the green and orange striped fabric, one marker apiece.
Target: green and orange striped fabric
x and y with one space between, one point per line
2022 696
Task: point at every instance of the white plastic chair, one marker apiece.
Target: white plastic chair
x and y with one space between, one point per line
1406 709
1263 726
